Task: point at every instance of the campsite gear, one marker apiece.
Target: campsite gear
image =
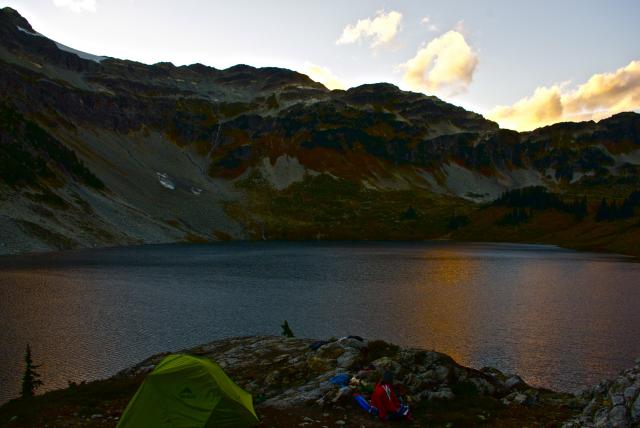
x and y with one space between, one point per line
386 401
365 405
354 383
341 379
188 391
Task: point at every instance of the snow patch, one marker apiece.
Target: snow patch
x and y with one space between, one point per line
284 172
83 55
24 30
165 181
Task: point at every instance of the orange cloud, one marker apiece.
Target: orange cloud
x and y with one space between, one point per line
445 65
601 96
323 75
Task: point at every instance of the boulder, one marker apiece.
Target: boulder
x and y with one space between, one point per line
514 382
635 411
618 417
483 386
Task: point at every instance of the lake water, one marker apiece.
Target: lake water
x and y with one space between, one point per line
562 319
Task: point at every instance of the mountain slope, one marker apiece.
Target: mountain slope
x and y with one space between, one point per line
132 153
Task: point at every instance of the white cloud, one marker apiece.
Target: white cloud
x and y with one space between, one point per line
77 6
602 95
382 29
446 65
426 21
323 75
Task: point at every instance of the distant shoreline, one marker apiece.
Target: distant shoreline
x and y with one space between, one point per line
581 249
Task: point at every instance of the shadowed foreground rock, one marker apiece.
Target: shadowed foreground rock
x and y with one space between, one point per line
612 403
290 382
286 372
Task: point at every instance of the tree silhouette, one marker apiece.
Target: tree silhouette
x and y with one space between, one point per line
604 211
539 198
31 379
286 330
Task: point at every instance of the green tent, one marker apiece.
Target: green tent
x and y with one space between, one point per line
184 391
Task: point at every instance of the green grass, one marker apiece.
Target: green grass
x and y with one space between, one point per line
323 207
555 227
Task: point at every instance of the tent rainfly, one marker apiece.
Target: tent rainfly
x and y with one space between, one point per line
184 391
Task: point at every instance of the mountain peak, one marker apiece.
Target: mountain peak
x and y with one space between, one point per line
10 16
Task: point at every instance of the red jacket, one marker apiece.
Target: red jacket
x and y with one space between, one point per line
384 399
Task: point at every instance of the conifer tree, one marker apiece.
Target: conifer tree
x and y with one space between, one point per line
286 330
604 211
31 379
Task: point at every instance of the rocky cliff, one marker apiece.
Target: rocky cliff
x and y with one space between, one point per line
103 151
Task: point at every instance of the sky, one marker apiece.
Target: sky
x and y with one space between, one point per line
523 64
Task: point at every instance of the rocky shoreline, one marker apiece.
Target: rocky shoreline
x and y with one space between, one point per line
289 379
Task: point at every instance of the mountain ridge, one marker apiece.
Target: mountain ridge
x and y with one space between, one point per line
197 153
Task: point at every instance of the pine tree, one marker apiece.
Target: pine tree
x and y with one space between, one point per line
584 208
604 211
578 208
626 209
286 330
31 379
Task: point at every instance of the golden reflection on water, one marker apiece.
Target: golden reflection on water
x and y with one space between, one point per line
522 312
446 311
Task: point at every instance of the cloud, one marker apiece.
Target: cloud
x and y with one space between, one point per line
425 21
77 6
323 75
382 29
543 107
602 95
445 65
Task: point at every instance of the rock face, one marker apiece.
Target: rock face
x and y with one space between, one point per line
612 403
111 151
290 372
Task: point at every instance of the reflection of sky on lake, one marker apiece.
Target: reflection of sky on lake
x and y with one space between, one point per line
561 319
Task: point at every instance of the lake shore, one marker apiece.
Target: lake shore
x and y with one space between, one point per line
290 384
467 238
